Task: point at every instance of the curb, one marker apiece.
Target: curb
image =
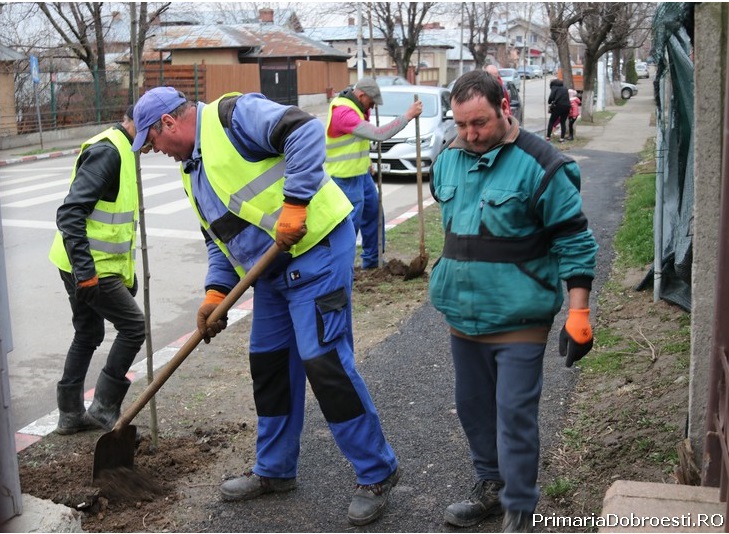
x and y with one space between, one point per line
46 424
48 155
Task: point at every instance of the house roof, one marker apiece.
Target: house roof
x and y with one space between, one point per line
258 40
8 54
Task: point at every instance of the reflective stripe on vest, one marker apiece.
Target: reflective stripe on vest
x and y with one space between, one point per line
254 190
111 229
347 155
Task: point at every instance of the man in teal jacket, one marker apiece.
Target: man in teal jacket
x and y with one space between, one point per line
514 229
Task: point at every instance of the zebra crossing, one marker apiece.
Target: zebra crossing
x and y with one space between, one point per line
30 195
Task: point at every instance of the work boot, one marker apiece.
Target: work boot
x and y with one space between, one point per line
106 406
483 502
251 485
368 502
71 409
517 522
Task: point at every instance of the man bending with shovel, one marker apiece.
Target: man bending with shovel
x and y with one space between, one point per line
262 180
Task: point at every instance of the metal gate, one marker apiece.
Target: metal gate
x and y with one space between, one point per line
278 81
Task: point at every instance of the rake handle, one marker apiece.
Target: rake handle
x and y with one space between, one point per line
194 340
419 175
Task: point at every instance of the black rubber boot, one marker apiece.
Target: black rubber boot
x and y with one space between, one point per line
71 410
106 406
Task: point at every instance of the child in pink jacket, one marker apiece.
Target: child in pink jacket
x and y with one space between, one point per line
574 113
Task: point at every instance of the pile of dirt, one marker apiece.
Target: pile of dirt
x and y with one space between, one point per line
59 468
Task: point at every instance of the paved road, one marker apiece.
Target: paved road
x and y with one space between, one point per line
411 380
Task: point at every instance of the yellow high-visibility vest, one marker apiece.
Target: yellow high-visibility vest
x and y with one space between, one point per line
112 227
347 155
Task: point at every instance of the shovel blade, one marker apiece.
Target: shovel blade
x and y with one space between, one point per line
115 450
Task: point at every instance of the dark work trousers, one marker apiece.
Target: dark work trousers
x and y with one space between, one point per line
362 193
560 114
116 304
498 386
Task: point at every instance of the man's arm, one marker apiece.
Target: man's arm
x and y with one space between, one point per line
346 121
97 177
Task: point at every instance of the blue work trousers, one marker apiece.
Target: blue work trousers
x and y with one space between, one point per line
302 328
498 387
115 304
362 193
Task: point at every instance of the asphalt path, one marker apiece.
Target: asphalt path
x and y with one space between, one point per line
410 378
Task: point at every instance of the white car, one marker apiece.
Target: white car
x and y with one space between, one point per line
627 90
641 69
436 129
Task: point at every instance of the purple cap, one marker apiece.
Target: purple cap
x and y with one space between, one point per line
150 108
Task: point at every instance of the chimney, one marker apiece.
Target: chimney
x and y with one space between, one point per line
350 21
265 15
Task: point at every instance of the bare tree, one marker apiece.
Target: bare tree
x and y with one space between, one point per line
562 16
401 24
479 16
604 27
141 23
81 28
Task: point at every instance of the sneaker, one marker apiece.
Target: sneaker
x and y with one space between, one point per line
251 485
547 139
570 138
483 502
561 139
368 502
517 522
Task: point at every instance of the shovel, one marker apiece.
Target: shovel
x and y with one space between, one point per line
115 449
418 263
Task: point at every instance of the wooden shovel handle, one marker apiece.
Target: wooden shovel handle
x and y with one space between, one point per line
196 337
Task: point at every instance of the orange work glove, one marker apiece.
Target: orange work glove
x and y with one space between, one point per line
208 331
575 339
291 225
87 290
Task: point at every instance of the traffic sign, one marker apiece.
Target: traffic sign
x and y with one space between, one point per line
34 70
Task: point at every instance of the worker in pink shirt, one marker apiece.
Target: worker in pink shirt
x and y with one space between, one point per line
348 136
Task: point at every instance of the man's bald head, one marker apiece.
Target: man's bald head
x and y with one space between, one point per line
492 70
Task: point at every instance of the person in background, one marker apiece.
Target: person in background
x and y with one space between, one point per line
348 136
559 108
574 113
493 70
253 172
94 252
514 230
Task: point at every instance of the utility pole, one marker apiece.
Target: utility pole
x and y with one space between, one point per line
360 58
460 63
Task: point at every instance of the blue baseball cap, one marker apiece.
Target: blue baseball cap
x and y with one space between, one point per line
150 108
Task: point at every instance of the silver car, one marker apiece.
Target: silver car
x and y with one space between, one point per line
436 129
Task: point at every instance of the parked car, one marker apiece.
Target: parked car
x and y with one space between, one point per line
384 81
536 71
515 101
437 128
525 72
641 69
628 90
509 75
